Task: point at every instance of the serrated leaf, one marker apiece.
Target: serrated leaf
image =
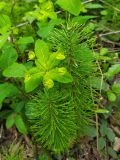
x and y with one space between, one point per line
10 121
6 90
101 143
9 56
20 124
72 6
15 70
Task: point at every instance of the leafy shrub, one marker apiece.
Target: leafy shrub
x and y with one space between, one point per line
51 68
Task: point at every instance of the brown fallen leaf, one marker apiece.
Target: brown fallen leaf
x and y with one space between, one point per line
116 146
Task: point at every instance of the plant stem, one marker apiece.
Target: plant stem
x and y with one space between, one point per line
97 117
97 130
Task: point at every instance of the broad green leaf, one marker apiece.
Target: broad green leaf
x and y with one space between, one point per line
25 40
10 121
103 128
104 58
82 19
17 107
112 153
3 39
20 124
33 82
72 6
15 70
101 143
110 135
104 12
46 28
32 79
5 23
2 5
7 90
103 51
89 131
112 71
59 75
101 111
42 52
28 64
55 59
97 83
94 5
116 88
9 56
111 96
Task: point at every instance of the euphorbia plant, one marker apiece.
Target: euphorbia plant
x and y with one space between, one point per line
46 68
54 80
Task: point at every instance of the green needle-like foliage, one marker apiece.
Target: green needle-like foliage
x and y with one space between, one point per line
76 41
57 116
52 119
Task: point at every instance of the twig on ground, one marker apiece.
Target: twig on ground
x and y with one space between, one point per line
109 33
1 131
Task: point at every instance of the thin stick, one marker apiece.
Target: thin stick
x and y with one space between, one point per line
97 117
21 24
87 1
97 130
109 33
97 120
1 131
